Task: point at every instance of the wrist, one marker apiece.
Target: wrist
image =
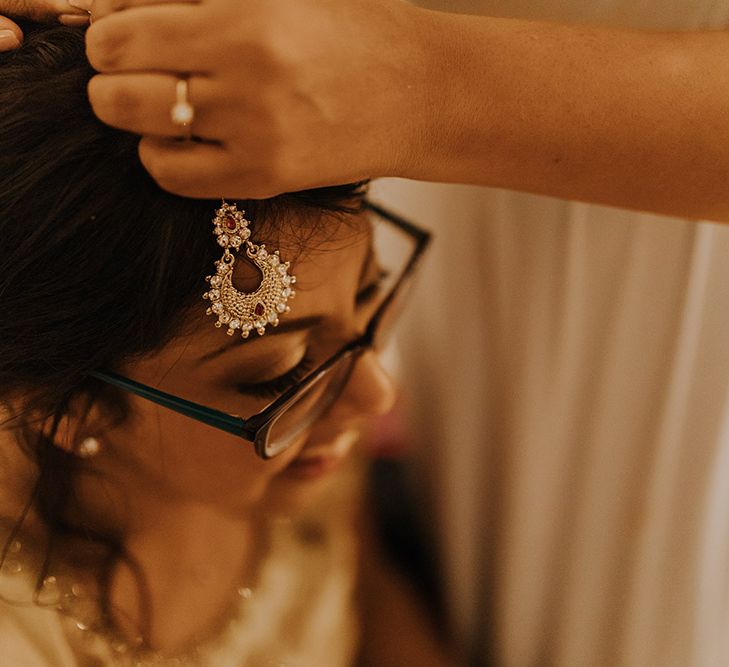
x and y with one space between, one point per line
437 121
417 117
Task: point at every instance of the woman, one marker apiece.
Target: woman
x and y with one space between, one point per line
574 440
135 527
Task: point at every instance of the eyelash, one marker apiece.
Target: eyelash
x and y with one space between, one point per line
277 386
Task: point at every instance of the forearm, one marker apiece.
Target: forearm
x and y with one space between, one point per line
618 117
346 91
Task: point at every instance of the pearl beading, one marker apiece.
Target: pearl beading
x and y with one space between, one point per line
87 625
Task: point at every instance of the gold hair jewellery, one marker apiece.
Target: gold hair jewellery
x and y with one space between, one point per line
242 311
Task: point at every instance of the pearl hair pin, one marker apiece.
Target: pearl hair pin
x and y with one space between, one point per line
242 311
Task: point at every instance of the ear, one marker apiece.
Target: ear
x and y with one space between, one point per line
80 422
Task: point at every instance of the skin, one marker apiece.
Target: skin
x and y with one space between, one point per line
11 36
621 117
170 486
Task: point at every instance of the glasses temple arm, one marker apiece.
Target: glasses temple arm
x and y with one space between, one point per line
210 416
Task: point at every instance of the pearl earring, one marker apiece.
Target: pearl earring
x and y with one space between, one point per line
88 448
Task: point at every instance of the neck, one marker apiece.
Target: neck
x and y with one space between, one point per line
185 559
184 578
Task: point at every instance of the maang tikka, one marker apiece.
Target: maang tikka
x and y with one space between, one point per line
242 311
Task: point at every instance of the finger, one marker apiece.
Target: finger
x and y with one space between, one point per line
105 7
11 36
190 169
79 15
75 20
164 37
41 10
205 170
142 103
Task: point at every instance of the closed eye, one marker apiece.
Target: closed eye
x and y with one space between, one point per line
277 386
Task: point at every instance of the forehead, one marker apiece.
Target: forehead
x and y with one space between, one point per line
328 260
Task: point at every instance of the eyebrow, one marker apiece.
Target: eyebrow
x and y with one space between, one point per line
288 326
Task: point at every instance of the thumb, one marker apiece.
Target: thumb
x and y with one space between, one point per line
11 35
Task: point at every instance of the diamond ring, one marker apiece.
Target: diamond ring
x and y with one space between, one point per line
182 112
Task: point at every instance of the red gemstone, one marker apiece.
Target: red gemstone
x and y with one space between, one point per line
230 223
259 309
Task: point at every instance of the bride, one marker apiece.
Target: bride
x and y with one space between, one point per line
170 494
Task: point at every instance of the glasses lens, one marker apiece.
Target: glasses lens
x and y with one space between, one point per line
307 406
391 314
394 248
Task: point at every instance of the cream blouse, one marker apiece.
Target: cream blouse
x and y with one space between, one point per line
300 612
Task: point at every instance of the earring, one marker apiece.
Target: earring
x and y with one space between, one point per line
88 448
242 311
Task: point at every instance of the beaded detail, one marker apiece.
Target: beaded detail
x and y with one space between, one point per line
299 613
88 628
240 311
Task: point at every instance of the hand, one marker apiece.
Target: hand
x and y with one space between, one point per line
11 36
288 94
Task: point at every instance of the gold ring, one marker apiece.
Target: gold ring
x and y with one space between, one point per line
182 112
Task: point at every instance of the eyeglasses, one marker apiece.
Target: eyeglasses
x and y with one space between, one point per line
279 425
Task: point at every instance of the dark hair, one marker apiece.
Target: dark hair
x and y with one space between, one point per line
97 264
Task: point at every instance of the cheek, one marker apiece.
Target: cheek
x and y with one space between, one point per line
198 462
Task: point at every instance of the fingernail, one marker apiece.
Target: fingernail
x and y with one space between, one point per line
8 40
81 4
74 20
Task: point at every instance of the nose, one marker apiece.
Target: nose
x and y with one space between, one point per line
370 390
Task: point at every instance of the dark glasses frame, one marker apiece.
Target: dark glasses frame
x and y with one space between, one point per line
255 429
